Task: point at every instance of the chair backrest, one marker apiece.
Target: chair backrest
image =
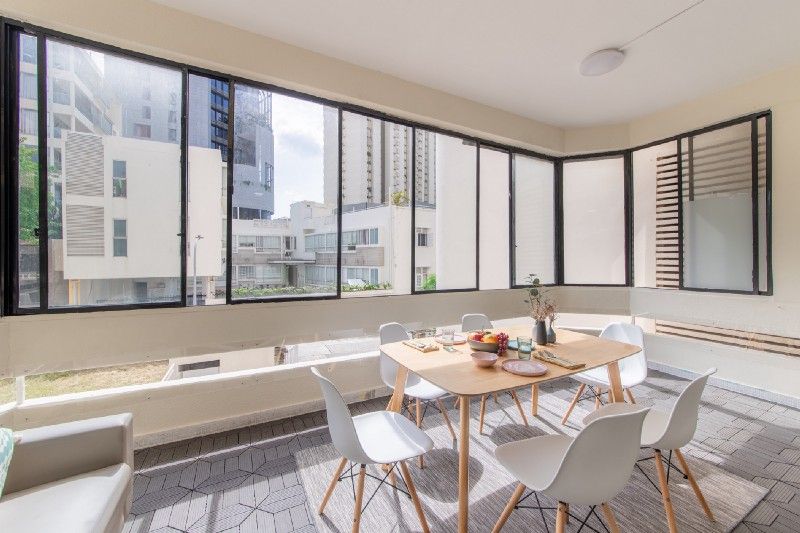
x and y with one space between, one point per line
340 422
475 322
633 369
599 462
393 332
683 417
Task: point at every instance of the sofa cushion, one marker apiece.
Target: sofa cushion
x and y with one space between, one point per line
95 501
6 448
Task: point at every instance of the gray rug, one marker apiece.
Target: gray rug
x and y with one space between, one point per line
638 508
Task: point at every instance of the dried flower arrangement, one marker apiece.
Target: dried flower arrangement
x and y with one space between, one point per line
536 296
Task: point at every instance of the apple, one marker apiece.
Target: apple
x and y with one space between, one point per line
476 336
491 338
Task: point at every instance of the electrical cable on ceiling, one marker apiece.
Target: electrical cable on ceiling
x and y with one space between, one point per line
660 24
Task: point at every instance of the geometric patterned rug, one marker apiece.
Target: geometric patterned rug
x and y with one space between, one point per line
637 508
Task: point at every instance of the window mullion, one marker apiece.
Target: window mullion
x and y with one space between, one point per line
41 74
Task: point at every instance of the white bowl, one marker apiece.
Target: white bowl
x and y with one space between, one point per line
484 359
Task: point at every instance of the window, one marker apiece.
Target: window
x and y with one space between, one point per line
29 122
717 215
494 219
172 117
120 179
303 146
92 166
61 92
146 112
376 190
424 237
268 177
120 238
208 207
422 275
594 221
28 88
172 135
141 130
534 219
445 195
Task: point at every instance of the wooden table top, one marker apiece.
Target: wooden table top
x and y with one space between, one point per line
456 373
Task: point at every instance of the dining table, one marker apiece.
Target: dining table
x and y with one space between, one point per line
455 372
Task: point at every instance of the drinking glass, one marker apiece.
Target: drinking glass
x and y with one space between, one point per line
448 335
524 347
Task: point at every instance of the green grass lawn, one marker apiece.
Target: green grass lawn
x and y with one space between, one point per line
56 383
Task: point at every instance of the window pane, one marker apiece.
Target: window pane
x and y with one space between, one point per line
594 221
299 141
718 209
655 216
493 234
207 191
534 219
763 220
28 201
445 192
376 215
115 240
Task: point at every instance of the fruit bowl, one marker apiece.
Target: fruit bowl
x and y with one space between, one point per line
479 346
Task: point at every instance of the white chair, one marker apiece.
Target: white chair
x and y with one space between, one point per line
589 469
381 437
418 389
632 370
477 322
669 431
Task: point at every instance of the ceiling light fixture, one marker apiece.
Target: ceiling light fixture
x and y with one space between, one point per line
601 62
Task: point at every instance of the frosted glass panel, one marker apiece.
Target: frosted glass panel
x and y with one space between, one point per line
534 216
594 221
494 272
718 210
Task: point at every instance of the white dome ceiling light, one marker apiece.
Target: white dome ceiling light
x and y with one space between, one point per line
601 62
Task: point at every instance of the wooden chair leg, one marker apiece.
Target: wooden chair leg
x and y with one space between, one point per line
566 517
572 404
609 514
420 461
440 404
362 473
611 396
457 402
534 400
509 508
332 485
561 518
412 491
695 486
496 400
630 395
519 407
662 481
597 392
482 414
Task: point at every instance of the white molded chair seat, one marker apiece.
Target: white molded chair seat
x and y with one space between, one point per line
668 431
382 437
534 470
388 437
632 370
589 469
424 390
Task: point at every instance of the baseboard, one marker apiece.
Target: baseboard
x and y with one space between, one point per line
749 390
236 422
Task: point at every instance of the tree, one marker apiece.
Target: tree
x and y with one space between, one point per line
430 283
28 193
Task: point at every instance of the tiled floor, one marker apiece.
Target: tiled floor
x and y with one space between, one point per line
247 480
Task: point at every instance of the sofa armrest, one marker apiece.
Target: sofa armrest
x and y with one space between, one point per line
56 452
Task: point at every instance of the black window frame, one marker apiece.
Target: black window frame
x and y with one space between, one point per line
9 94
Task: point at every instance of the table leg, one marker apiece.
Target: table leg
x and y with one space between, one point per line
463 468
396 401
615 382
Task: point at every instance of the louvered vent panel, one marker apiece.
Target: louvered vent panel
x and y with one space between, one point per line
731 337
84 164
84 230
667 221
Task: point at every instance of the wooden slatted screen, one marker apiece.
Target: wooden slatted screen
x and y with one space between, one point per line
731 337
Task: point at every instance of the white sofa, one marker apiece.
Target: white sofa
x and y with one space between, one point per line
70 478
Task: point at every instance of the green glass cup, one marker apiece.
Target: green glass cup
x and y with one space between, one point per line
524 347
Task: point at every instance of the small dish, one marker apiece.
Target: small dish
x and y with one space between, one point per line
457 339
521 367
484 359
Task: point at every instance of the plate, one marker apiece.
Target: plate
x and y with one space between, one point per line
521 367
457 339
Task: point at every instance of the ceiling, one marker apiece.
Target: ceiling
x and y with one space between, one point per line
522 56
